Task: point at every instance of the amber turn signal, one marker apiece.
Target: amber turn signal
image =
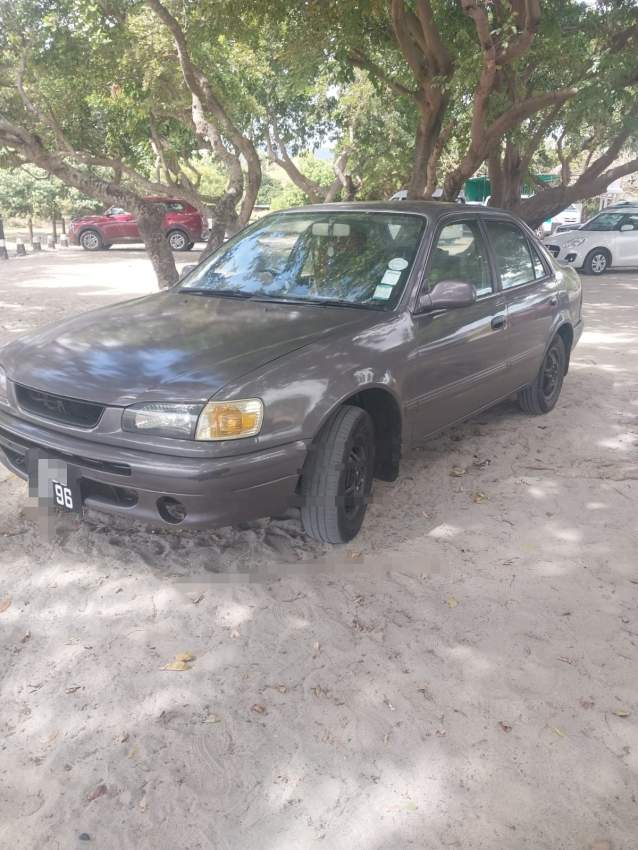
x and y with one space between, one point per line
230 420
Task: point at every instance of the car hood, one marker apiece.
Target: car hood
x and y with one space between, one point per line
565 236
95 218
170 345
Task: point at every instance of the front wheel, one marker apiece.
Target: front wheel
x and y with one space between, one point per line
337 477
91 240
178 240
542 395
596 262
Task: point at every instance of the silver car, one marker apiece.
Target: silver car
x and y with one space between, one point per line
608 239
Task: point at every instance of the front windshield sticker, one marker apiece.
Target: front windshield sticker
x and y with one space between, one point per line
383 292
398 264
391 278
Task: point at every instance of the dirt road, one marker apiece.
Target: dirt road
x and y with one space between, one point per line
463 675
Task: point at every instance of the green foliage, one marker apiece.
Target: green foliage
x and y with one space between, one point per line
31 193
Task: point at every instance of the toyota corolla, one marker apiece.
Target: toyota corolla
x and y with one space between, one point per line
290 368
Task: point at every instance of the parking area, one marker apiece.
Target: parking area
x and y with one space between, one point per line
462 675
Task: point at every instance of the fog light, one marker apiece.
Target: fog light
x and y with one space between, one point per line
171 510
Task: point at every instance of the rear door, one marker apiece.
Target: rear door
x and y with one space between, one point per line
530 291
626 249
458 360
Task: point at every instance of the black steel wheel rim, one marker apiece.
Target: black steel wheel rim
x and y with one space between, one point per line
355 479
551 373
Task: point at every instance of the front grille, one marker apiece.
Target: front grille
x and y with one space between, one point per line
553 249
83 414
9 444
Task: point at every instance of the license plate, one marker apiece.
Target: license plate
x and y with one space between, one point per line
62 496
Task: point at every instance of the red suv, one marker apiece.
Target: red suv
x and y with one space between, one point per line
182 224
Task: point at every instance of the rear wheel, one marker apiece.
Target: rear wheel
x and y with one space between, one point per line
91 240
178 240
597 262
542 395
337 478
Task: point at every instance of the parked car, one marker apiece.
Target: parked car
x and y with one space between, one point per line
570 216
609 239
291 367
182 224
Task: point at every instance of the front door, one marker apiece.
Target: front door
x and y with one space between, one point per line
531 293
457 362
626 248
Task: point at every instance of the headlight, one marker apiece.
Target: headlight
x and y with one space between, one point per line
4 395
229 420
164 420
217 420
574 243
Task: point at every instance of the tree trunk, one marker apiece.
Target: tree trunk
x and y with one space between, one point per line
54 228
149 221
30 228
63 221
427 134
497 178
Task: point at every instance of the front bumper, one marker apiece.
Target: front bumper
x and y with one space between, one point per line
569 256
212 491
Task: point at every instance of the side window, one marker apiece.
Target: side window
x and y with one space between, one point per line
630 219
512 252
459 254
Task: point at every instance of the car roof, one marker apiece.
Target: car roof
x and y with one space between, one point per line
628 207
431 209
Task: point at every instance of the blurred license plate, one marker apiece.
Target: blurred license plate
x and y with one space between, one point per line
62 496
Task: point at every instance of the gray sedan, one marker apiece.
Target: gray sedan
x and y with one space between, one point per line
291 368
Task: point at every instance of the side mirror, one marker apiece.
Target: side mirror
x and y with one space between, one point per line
186 270
447 294
624 228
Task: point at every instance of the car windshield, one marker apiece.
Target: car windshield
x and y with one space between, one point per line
604 221
358 259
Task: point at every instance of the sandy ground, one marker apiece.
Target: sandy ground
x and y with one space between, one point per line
463 675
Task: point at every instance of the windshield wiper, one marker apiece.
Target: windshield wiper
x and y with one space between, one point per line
222 293
313 302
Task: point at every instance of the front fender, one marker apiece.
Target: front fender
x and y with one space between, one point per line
302 389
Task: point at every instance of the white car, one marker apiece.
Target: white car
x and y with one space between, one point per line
608 239
568 218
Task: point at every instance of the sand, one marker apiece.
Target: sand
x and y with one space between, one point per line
462 675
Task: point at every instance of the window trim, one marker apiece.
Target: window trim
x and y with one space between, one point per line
445 221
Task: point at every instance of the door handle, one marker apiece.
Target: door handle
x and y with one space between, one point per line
499 322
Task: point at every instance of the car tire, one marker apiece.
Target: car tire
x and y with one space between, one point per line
541 396
178 240
337 477
91 240
597 262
